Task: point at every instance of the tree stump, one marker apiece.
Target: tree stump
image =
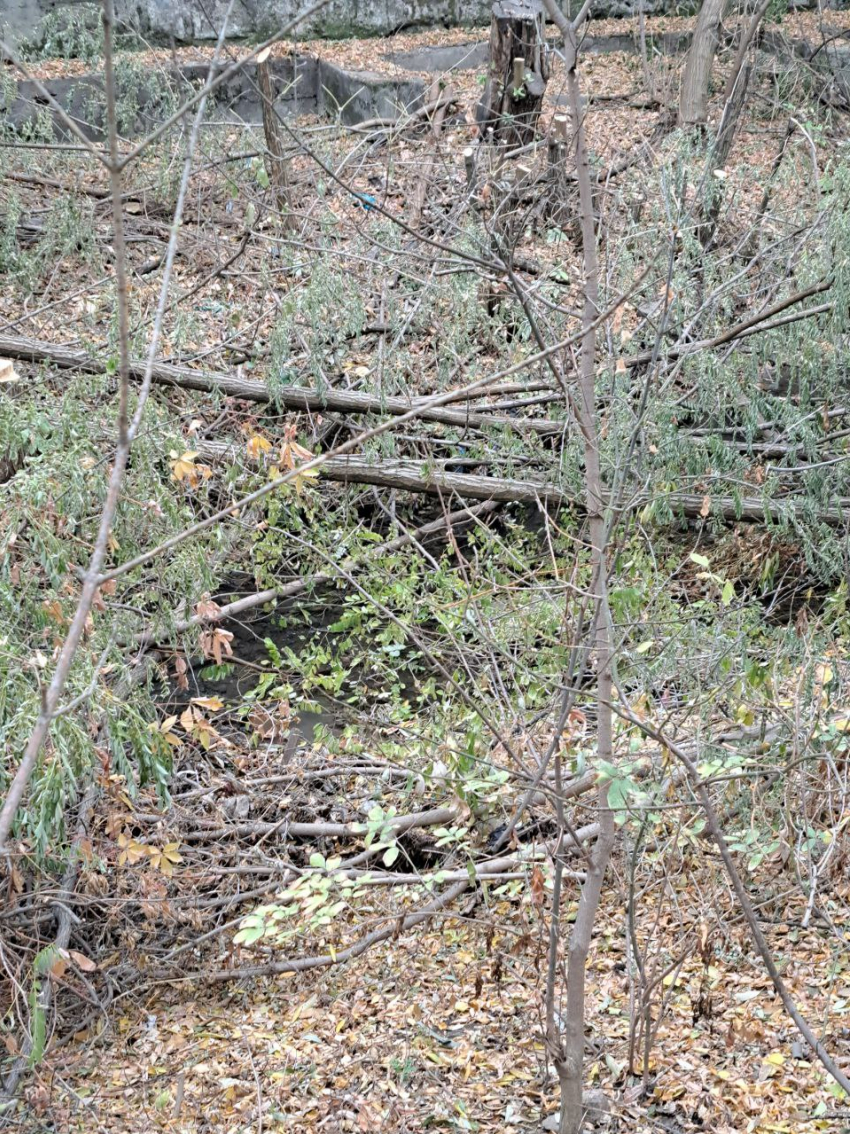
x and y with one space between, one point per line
696 77
274 157
517 74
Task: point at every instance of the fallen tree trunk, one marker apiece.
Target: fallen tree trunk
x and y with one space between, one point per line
289 397
418 476
348 401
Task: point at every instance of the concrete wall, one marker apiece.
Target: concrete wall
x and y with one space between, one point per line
192 20
307 86
186 20
19 18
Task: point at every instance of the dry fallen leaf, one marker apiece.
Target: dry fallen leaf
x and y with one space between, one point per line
86 964
7 371
216 644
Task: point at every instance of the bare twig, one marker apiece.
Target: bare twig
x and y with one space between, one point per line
127 429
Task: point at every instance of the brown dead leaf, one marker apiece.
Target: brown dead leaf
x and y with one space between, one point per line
84 963
537 886
216 644
207 609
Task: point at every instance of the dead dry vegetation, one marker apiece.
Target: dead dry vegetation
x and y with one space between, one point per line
423 574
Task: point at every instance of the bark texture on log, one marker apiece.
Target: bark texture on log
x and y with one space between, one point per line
693 99
419 476
289 397
518 71
274 159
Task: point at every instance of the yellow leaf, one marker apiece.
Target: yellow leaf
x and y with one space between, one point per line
293 452
166 859
258 445
303 477
776 1058
131 851
213 704
183 468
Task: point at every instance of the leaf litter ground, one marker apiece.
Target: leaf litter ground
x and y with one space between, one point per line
440 1028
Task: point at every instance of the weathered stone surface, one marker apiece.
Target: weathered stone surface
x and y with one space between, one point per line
297 79
188 20
359 95
192 20
460 57
80 97
185 21
19 17
306 85
237 98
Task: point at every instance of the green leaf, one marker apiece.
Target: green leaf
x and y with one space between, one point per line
390 855
318 861
273 652
607 771
728 592
45 960
38 1023
249 935
700 560
349 619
